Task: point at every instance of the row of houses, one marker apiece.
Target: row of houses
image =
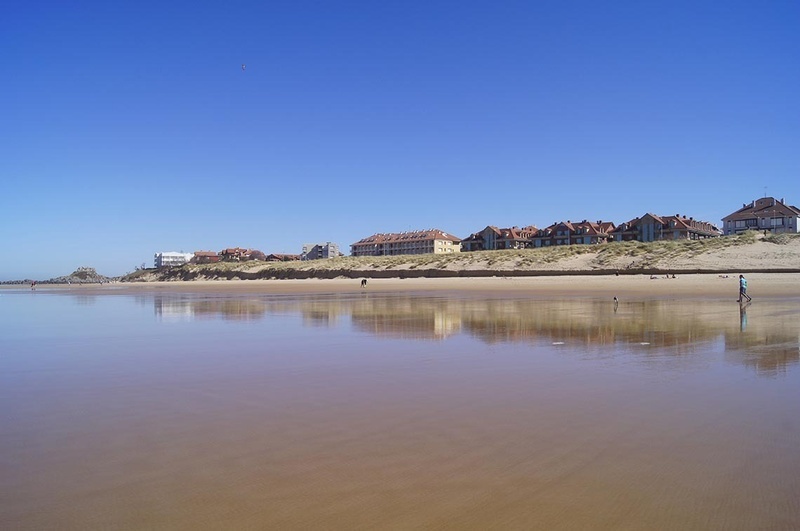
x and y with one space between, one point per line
238 254
767 214
232 254
648 227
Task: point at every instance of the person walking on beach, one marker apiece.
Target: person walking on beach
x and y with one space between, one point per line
743 289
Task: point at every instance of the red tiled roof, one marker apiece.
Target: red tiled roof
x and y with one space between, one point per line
764 207
420 235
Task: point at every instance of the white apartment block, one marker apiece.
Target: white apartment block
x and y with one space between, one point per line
171 259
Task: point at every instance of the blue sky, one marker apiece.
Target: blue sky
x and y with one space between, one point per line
130 128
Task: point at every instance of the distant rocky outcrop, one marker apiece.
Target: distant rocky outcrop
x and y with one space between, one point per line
82 275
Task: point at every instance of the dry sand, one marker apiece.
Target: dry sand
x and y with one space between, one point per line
708 286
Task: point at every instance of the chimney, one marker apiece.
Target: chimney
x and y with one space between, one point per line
782 201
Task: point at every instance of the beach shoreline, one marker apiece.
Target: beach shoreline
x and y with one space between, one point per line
689 286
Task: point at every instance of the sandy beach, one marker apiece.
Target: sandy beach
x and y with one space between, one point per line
705 286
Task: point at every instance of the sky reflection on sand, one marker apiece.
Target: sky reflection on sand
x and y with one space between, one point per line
204 411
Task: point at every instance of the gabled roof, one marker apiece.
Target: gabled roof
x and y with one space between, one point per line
606 226
627 226
568 224
674 222
658 219
419 235
597 228
764 207
515 233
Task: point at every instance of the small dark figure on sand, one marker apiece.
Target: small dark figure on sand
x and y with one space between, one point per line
363 282
743 290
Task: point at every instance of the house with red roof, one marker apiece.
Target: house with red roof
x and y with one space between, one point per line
767 214
650 227
569 233
492 238
205 257
412 242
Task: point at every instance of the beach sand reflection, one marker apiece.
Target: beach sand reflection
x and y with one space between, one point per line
667 326
402 411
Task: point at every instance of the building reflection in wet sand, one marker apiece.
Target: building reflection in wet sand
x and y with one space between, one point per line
765 338
402 411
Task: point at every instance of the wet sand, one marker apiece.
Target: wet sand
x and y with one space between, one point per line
710 286
401 410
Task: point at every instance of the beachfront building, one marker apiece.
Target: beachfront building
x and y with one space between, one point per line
318 251
280 257
237 254
765 214
171 259
492 238
412 242
650 227
205 257
568 233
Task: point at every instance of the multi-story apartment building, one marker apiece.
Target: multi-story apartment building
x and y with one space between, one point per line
316 251
492 238
651 227
205 257
569 233
765 214
171 259
414 242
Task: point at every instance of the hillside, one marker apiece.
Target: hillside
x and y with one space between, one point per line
749 252
82 275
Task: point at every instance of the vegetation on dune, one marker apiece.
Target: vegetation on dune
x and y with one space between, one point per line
630 256
781 239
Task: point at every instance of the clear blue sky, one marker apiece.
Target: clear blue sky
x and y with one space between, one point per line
130 128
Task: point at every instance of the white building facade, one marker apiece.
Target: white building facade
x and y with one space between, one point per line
171 259
317 251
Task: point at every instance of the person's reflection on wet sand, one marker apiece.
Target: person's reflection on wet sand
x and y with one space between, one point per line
743 316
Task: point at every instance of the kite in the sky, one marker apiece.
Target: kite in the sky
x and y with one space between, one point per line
243 67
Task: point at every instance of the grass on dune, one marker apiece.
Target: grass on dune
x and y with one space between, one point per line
646 254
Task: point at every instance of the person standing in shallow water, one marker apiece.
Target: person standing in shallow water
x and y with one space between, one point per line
743 290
